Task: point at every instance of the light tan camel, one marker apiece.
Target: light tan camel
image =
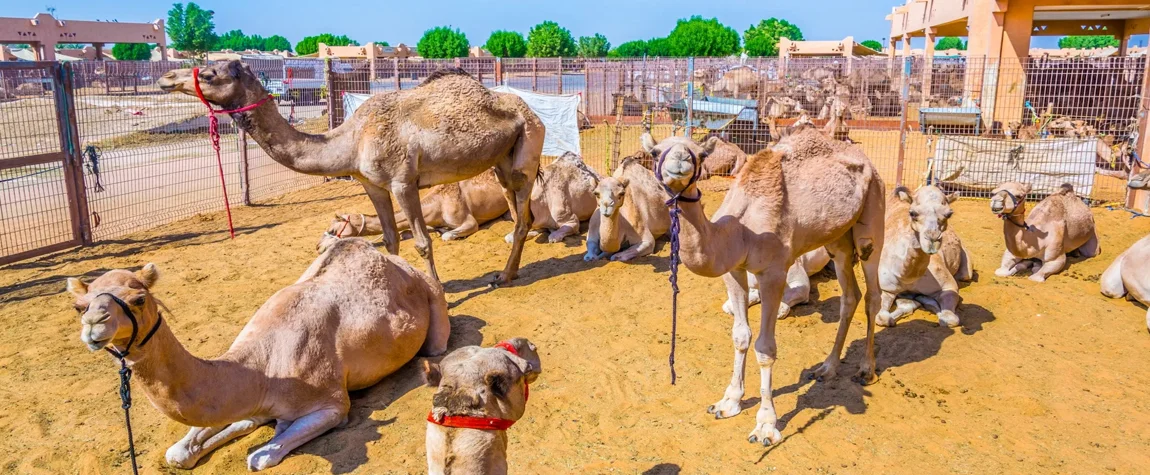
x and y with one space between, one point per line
921 256
798 289
631 214
1061 223
353 317
806 192
456 210
564 198
448 129
1129 275
740 82
488 384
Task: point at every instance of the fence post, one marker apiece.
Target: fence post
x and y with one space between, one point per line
498 71
690 94
587 89
560 75
1140 199
245 176
905 101
65 96
395 70
534 72
330 84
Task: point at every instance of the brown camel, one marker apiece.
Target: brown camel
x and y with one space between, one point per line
806 192
739 82
798 289
456 210
353 317
448 129
922 258
631 214
727 159
1061 223
564 198
477 387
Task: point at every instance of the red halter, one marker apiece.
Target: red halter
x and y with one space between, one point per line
481 423
214 133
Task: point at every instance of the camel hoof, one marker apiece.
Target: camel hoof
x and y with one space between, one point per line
588 257
725 409
729 307
825 371
1038 278
500 280
865 377
765 435
179 457
884 320
948 319
263 458
752 439
1003 272
784 311
509 238
449 236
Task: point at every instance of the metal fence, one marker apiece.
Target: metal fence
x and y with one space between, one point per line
94 150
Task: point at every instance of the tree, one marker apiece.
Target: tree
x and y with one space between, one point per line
950 42
379 43
659 47
310 44
763 39
191 29
630 49
234 40
1086 42
872 44
443 42
699 37
549 40
593 46
132 51
71 45
506 44
277 42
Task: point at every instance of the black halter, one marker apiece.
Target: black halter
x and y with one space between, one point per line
126 372
675 197
1015 204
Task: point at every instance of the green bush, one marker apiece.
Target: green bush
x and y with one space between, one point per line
763 39
506 44
132 51
443 42
549 40
310 44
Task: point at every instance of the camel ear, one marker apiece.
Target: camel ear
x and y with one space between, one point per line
903 194
951 198
235 68
1026 188
77 287
148 275
624 182
431 374
710 144
648 143
499 383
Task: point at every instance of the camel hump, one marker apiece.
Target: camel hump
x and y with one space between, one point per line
442 73
1066 189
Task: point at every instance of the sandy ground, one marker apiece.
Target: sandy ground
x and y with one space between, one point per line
1041 378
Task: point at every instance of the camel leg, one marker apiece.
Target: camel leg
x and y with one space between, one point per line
888 313
298 433
201 441
568 223
947 303
438 325
594 252
1049 267
408 197
1010 265
843 252
867 239
798 289
766 351
517 176
381 199
1091 248
468 227
732 402
752 296
1111 281
645 246
965 267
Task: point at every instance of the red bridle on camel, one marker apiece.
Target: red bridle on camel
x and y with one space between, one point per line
481 423
214 133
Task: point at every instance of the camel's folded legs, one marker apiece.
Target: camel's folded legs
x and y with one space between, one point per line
732 401
468 227
1049 267
201 441
298 433
645 246
1010 265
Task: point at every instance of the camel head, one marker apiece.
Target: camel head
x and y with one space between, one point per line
929 213
609 195
1008 197
229 85
342 226
1140 181
673 159
483 382
102 320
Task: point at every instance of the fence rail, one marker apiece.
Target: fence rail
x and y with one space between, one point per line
138 157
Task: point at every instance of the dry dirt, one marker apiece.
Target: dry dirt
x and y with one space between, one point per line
1041 378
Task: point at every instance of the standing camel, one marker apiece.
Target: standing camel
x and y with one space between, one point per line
808 191
448 129
353 317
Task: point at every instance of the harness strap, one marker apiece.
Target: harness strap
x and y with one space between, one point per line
1007 217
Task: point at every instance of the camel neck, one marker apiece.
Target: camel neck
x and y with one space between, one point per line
468 450
326 154
702 242
191 390
611 232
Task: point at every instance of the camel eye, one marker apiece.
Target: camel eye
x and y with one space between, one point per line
139 300
913 214
948 214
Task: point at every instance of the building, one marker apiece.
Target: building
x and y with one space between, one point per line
368 51
43 32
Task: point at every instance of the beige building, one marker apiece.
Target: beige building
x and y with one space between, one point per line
368 51
43 32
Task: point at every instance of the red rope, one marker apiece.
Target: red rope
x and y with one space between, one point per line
214 133
481 423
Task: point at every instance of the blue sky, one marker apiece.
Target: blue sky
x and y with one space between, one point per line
395 22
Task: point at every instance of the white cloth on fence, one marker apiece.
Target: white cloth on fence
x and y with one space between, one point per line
981 164
559 114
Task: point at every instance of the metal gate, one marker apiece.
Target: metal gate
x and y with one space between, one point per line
43 205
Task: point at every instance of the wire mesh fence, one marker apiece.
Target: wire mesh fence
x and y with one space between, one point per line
966 124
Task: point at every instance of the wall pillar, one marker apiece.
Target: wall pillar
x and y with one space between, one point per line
99 51
928 68
1123 40
1017 25
1140 199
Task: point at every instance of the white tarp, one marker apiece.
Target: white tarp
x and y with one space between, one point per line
560 114
981 164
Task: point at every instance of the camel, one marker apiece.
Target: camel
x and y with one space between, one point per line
456 210
1129 276
806 192
564 198
921 257
352 318
1061 223
488 386
740 82
631 213
727 159
798 290
448 129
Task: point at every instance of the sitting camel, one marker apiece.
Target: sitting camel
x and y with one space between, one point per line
798 289
1061 223
727 159
353 317
921 256
564 197
631 214
1129 275
479 394
447 129
806 192
455 209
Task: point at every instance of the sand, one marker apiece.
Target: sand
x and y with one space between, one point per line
1040 378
